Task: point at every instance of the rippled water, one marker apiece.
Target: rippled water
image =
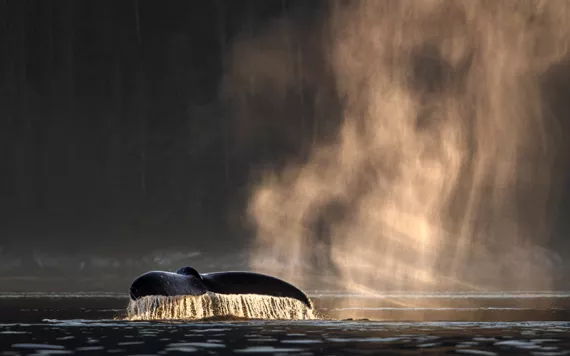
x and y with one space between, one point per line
96 324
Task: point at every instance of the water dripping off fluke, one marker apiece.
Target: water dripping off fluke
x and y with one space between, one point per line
218 306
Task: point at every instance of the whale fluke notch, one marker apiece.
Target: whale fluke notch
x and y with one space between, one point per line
187 281
189 271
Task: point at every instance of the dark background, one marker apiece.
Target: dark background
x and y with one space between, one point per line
119 147
116 140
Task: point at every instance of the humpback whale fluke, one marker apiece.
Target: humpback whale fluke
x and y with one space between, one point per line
187 281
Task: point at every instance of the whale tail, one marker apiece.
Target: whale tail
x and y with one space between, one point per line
187 281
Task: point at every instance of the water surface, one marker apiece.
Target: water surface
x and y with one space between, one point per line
95 324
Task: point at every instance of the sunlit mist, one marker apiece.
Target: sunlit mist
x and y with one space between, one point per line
442 174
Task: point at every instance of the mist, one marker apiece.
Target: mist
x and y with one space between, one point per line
427 141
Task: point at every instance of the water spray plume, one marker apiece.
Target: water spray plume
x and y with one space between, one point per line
442 174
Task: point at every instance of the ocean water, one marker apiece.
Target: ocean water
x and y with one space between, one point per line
445 323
